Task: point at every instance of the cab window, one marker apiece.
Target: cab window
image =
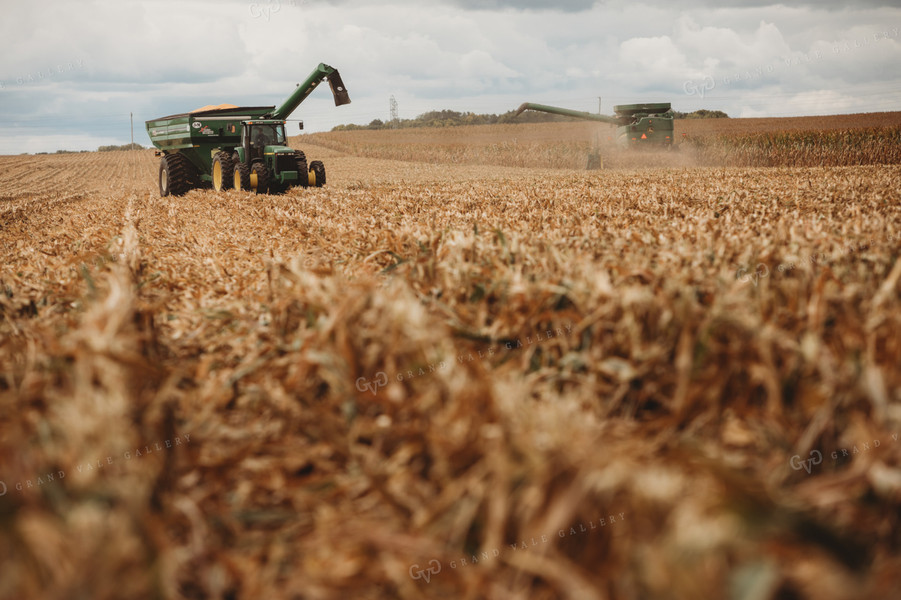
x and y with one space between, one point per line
265 135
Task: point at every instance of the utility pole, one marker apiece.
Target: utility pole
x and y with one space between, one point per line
599 105
132 116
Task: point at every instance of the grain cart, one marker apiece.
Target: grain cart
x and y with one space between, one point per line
638 125
238 147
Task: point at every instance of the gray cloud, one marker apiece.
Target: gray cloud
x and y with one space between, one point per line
564 6
814 4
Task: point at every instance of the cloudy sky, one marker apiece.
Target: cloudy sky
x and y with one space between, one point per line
73 70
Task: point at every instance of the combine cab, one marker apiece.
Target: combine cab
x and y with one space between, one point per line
238 147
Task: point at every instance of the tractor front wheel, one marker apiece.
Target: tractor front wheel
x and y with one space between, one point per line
222 168
303 179
175 175
259 178
241 177
317 173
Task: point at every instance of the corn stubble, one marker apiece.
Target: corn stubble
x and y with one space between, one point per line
445 363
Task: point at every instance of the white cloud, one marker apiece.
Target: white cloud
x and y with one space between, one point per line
823 102
721 47
656 56
479 65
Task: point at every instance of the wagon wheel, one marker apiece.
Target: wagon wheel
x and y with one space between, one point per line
176 175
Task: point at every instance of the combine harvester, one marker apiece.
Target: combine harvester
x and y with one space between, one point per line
241 147
639 126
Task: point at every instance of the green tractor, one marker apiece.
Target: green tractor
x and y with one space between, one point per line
244 148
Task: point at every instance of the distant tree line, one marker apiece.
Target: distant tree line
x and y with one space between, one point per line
120 148
452 118
60 152
701 114
100 149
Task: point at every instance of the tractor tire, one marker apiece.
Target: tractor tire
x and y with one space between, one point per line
176 175
318 170
222 172
259 174
303 179
241 177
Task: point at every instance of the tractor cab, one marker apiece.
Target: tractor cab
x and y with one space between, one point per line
260 136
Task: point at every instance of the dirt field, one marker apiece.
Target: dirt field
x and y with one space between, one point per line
450 380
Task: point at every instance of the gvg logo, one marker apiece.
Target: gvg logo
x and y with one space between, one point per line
816 457
841 454
433 569
265 9
759 273
699 88
381 380
268 8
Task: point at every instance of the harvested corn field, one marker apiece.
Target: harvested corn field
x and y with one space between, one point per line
450 381
841 140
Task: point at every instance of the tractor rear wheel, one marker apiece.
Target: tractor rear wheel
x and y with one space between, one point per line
176 173
259 178
317 173
241 177
303 178
222 169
